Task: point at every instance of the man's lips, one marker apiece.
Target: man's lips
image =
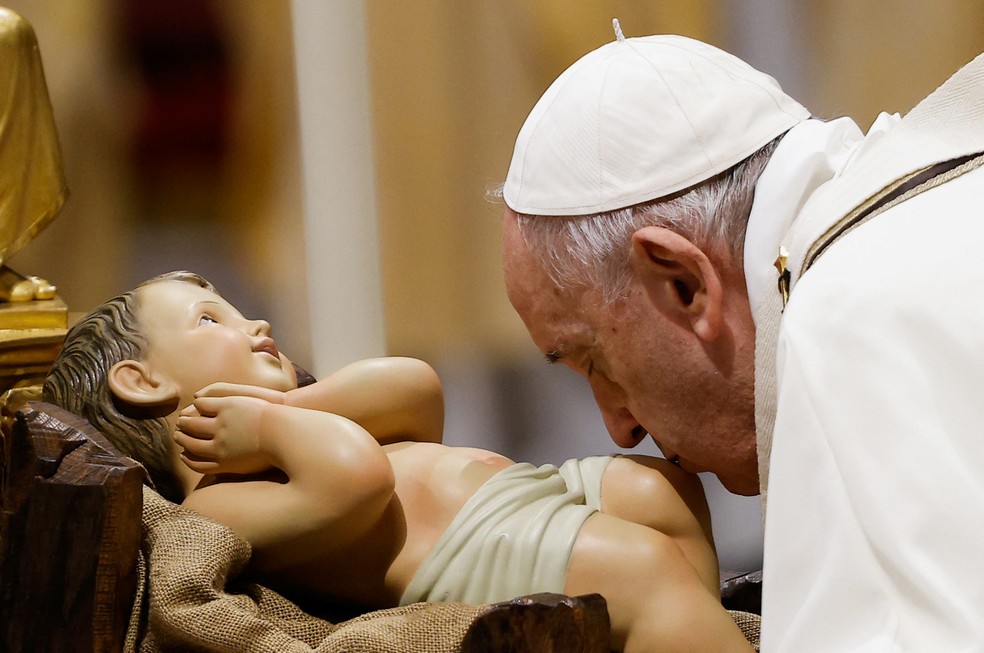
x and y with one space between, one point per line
673 457
267 346
688 466
640 432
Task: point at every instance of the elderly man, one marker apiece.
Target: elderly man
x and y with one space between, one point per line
760 290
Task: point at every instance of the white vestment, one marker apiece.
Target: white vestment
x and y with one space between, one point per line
874 376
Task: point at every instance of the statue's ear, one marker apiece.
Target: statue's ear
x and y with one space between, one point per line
134 383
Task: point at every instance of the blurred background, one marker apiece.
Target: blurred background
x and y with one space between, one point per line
326 165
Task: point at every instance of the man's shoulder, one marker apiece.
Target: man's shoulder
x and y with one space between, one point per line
918 254
946 125
956 108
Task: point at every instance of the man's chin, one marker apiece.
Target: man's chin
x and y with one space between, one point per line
747 486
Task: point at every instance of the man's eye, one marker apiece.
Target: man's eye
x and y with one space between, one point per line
207 319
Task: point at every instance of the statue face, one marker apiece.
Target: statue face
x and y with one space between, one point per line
196 338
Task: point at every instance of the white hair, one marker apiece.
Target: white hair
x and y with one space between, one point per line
592 251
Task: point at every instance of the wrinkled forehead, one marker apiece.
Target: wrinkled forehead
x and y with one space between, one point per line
554 317
526 280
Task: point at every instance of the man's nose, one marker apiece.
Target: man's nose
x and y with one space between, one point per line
623 428
622 425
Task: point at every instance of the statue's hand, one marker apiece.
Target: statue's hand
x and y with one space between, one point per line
240 390
222 435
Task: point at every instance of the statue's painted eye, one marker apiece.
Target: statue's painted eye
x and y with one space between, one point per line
207 319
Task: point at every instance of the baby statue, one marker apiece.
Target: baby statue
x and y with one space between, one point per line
345 492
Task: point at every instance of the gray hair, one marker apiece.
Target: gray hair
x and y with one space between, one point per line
592 251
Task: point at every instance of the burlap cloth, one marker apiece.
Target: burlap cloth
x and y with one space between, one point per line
750 625
189 598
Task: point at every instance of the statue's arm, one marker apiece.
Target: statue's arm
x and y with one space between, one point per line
336 478
394 398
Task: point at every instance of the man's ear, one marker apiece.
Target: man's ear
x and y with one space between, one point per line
133 382
679 278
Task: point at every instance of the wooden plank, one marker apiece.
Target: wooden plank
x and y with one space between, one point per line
542 623
69 535
742 591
